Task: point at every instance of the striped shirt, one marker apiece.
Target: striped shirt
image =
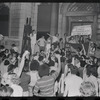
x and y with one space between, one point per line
45 85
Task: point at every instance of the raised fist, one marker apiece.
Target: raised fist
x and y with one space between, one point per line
26 53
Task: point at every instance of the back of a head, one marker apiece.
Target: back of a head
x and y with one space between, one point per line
4 88
61 39
69 61
43 70
91 70
10 67
77 57
9 91
51 63
6 91
40 58
73 69
3 91
87 89
6 62
34 65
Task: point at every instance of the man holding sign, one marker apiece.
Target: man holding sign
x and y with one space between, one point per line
81 31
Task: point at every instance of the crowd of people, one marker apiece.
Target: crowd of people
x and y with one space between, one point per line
52 70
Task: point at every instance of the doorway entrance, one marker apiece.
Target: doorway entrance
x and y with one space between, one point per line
82 20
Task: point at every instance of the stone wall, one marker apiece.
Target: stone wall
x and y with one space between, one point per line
18 14
98 29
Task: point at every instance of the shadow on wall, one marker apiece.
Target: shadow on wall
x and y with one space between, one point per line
40 34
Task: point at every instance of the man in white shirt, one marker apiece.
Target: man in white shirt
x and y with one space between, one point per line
4 67
13 81
72 82
55 38
42 43
33 40
18 91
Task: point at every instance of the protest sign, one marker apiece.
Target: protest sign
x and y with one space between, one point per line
81 30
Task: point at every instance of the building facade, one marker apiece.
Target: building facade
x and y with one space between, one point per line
57 18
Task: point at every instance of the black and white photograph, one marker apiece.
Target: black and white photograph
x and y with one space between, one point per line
49 49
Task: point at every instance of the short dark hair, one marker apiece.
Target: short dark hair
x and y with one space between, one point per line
34 65
3 88
7 50
10 67
51 63
43 70
9 89
2 46
61 39
91 70
77 57
6 90
13 45
6 62
40 58
69 60
73 69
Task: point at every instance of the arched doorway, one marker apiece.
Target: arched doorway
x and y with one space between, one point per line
77 14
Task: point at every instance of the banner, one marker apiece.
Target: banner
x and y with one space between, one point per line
82 30
76 45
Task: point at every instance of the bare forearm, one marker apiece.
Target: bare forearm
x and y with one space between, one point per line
59 65
21 65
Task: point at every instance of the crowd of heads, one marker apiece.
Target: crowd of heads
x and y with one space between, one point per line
44 62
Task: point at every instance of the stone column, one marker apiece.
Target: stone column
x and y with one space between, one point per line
54 19
63 26
60 18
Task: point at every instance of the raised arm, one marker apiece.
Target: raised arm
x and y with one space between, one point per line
65 71
59 63
55 75
84 49
65 91
21 65
49 35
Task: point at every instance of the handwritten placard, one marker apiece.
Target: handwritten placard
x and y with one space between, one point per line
81 30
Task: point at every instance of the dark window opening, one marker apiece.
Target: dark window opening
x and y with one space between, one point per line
4 20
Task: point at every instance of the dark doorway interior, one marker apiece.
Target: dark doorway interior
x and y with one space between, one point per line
40 34
43 20
4 19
